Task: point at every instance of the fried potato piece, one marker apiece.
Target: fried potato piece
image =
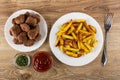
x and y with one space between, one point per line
88 38
79 27
95 43
74 44
67 37
61 41
93 28
71 29
67 41
88 28
71 49
71 54
68 26
84 47
57 41
88 46
74 36
61 47
79 20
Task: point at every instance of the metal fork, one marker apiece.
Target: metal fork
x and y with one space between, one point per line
107 26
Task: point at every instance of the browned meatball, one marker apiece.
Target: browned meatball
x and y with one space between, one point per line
31 21
33 33
20 19
25 27
22 37
38 37
13 21
27 14
15 30
37 17
29 42
16 41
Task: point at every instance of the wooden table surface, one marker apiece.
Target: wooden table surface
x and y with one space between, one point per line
52 10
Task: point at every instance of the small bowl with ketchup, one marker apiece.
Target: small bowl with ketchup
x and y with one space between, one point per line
42 61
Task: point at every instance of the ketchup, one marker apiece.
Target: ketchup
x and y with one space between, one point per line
42 61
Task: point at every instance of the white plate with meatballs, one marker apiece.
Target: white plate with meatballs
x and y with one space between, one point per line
25 30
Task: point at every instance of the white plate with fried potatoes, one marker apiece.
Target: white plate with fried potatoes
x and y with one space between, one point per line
42 26
61 55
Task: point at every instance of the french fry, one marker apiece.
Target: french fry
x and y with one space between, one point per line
79 27
60 33
74 36
74 44
67 41
83 47
95 43
76 24
71 29
80 37
84 36
68 26
67 36
78 44
67 46
88 38
61 41
57 41
84 28
71 49
87 27
88 46
71 54
61 47
89 41
79 20
85 32
63 26
93 28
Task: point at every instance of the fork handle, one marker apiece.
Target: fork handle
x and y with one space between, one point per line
104 55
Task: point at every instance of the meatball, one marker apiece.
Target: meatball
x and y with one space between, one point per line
16 41
13 21
27 14
25 27
15 30
31 21
33 33
37 17
38 37
20 19
22 37
29 42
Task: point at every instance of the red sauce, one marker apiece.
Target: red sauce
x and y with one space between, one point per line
42 61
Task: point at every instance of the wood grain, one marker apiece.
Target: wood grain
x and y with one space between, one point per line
52 10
